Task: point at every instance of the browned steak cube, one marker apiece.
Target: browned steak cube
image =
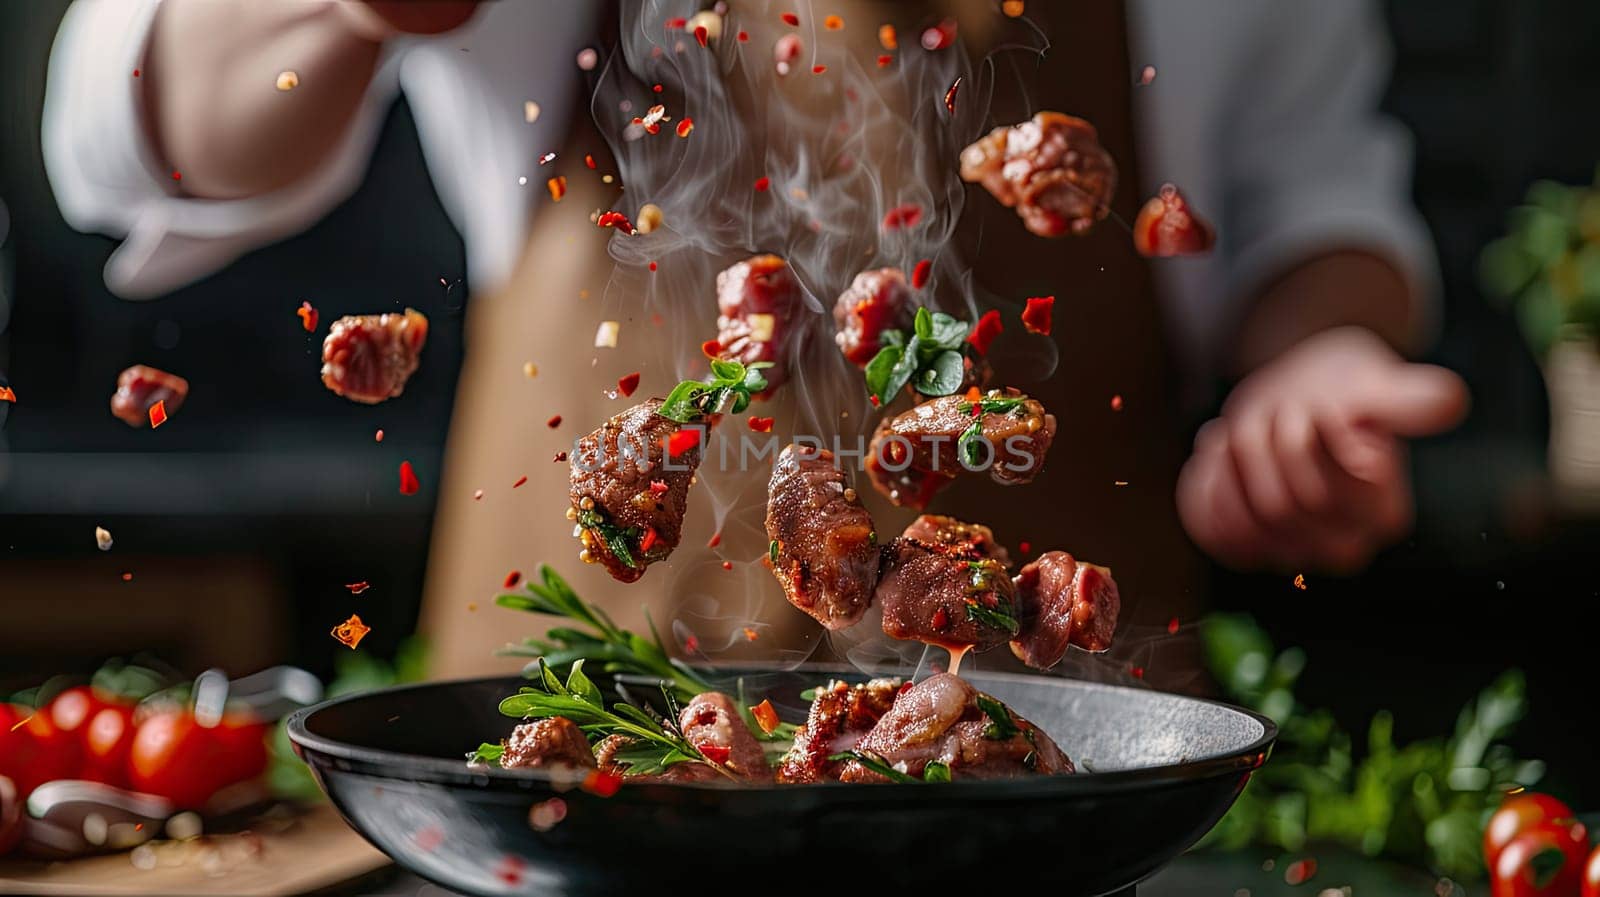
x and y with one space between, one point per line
140 387
950 590
840 715
824 546
369 358
876 301
556 741
711 722
917 452
1063 602
756 301
1051 168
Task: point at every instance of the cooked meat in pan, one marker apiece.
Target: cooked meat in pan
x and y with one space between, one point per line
757 300
369 358
876 301
712 724
1063 602
917 452
628 495
823 544
1051 169
555 741
943 719
944 584
840 715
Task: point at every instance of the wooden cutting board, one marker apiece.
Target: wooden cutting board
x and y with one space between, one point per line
308 851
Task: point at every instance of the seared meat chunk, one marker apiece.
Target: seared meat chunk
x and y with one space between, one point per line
944 584
840 715
140 387
555 741
711 722
944 719
876 301
1051 168
369 358
756 300
1063 602
825 551
628 495
914 454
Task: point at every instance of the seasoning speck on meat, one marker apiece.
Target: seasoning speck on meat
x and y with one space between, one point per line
629 492
823 547
1051 169
1063 602
916 453
944 719
140 387
840 715
945 583
556 741
369 358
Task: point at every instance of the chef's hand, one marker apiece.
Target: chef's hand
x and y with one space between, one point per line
1306 466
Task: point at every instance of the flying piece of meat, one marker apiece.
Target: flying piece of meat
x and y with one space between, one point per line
711 722
1063 602
756 300
1166 226
556 741
824 545
876 301
840 715
140 387
628 495
369 358
944 719
1051 168
916 453
944 583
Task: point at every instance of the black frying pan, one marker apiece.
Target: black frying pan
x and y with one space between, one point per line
1165 768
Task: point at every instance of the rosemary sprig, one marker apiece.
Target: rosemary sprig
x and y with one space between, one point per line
1001 725
731 383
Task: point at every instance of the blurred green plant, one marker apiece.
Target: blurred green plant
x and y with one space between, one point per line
1425 802
1547 266
287 775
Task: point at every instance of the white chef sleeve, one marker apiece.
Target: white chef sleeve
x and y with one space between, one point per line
107 178
1308 163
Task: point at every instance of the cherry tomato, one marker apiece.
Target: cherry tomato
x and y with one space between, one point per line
177 758
1544 861
1516 815
1591 875
32 750
10 816
106 741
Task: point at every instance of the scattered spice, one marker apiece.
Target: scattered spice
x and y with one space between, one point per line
408 479
1036 317
682 441
1012 8
650 218
883 61
547 158
762 183
558 458
588 160
920 274
907 215
648 540
127 577
833 23
477 495
750 634
1300 871
158 413
987 329
7 395
288 81
790 19
512 578
558 187
1026 546
887 37
1300 581
716 539
685 126
711 349
691 644
378 436
701 35
601 784
1146 75
744 37
766 716
530 370
760 424
530 111
652 266
1136 672
939 36
627 383
588 59
102 538
1172 626
615 219
818 69
520 480
308 316
1116 402
510 869
605 336
357 588
727 565
950 96
658 487
554 421
351 632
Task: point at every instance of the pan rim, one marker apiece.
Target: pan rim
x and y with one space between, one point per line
426 769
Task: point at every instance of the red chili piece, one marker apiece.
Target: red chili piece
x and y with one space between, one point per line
1036 317
988 328
408 479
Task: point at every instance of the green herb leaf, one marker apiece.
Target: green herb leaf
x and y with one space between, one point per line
892 337
772 551
997 617
877 764
731 383
1001 726
943 375
579 685
936 771
880 369
948 332
922 325
487 753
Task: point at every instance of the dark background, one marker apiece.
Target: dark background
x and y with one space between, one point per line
267 489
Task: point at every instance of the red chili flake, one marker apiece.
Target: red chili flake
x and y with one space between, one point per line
974 394
627 383
904 687
1116 403
308 316
1036 317
676 24
554 421
701 34
428 839
887 37
177 175
652 266
351 632
357 588
685 126
750 634
547 158
939 36
408 479
1026 547
716 539
941 619
558 187
478 495
744 37
716 753
616 220
512 578
950 96
682 441
833 23
766 716
158 413
884 60
509 869
818 69
790 19
559 457
874 401
1300 871
920 274
588 160
711 349
908 215
601 784
1172 626
727 565
762 183
692 644
988 328
519 482
1136 672
648 540
6 395
1300 581
136 73
760 424
127 577
658 487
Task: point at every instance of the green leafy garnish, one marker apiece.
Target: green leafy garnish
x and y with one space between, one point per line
487 753
930 360
772 551
1001 726
619 540
731 383
936 771
877 764
994 618
967 443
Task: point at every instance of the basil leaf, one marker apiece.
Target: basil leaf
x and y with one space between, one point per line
936 771
741 401
900 375
892 338
547 676
948 332
487 753
581 686
754 382
879 369
679 404
727 371
943 377
922 326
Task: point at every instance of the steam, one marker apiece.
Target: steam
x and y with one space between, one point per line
838 150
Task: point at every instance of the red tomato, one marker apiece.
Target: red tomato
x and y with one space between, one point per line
10 816
1591 875
32 751
1517 814
1544 861
175 757
106 741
